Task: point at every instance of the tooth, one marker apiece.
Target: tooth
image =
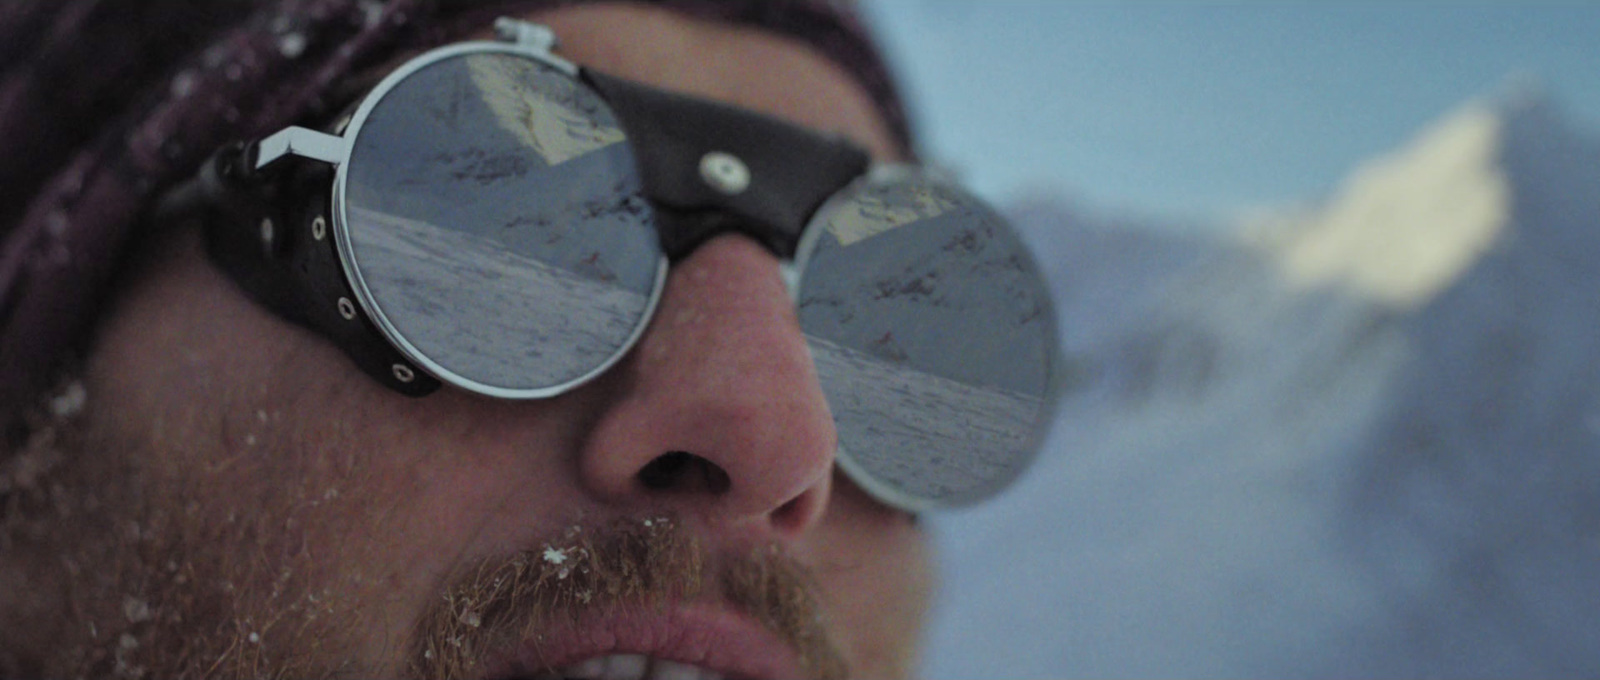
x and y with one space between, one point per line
625 667
667 670
588 669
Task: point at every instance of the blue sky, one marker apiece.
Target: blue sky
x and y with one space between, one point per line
1203 111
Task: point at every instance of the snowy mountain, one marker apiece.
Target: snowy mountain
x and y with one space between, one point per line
1356 439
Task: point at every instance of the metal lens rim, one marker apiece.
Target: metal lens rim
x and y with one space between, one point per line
897 173
352 269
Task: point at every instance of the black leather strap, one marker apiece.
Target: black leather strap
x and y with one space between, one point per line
263 230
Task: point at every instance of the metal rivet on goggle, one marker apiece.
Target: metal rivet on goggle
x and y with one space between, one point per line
403 373
267 230
724 172
347 309
319 227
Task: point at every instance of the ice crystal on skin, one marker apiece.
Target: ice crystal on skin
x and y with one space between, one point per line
292 45
135 610
70 401
183 84
371 13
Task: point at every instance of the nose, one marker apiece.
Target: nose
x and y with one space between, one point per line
717 410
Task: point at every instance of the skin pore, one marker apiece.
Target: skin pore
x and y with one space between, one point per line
235 498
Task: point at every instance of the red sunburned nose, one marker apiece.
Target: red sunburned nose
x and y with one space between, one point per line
719 412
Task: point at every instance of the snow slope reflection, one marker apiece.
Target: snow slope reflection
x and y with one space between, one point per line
490 314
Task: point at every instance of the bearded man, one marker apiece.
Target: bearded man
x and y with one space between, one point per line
304 378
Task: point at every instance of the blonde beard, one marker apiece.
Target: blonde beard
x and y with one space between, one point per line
631 563
115 565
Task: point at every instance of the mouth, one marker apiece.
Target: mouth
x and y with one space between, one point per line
681 643
630 667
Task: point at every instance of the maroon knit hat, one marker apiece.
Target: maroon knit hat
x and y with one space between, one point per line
103 103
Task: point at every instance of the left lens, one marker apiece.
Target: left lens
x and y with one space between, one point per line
494 224
933 336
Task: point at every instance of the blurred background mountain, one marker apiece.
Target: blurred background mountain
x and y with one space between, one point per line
1355 438
1332 316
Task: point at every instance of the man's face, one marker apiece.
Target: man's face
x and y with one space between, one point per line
238 499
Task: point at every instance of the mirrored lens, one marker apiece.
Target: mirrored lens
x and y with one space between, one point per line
494 218
933 336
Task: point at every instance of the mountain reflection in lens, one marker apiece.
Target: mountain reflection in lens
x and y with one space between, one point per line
933 338
495 222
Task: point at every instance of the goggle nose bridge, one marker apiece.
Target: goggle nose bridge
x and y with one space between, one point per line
710 169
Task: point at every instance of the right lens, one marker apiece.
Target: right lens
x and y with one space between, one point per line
494 223
933 336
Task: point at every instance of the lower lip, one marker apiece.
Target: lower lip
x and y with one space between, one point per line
712 638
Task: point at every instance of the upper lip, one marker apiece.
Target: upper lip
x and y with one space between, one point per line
703 635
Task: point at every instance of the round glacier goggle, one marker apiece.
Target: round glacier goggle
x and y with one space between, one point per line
495 218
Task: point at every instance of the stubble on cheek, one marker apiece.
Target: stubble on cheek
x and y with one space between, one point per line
232 542
163 553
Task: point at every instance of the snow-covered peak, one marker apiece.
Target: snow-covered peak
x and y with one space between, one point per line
1407 225
1404 226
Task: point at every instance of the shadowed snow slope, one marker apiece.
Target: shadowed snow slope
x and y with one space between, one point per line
1361 440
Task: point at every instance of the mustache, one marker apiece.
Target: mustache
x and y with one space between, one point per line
505 600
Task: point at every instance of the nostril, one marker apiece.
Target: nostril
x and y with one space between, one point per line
684 471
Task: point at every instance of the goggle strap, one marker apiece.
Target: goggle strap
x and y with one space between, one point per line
790 170
285 259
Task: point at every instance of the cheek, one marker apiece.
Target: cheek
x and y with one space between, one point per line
285 452
201 374
182 347
875 566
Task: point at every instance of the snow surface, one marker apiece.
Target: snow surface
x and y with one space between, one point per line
1360 439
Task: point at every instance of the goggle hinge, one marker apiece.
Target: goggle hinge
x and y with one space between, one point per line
525 34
